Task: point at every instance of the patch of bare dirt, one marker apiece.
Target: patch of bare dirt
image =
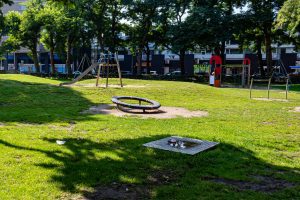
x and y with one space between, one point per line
129 191
261 183
2 124
267 123
161 178
93 85
25 124
162 113
297 109
70 127
117 191
67 128
266 99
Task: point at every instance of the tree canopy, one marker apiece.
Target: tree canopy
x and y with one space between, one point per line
289 19
175 25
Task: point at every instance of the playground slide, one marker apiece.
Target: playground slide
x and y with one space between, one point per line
81 75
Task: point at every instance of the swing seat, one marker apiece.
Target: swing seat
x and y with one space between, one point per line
76 74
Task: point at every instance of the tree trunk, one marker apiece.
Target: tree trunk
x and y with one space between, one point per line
139 61
181 57
223 53
69 56
35 59
267 34
259 57
101 43
52 61
113 27
148 58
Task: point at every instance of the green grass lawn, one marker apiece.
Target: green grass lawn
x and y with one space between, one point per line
258 140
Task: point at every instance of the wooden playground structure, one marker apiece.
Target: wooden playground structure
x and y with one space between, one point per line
106 63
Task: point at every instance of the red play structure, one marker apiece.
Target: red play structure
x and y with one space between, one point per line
216 69
246 61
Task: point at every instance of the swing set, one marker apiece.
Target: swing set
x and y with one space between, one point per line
106 63
269 80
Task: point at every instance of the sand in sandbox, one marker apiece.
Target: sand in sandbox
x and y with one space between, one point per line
162 113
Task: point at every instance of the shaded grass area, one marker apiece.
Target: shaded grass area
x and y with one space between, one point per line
258 139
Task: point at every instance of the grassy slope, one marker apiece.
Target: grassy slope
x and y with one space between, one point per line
257 138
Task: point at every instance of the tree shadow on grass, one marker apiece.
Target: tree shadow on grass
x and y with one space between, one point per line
124 169
39 103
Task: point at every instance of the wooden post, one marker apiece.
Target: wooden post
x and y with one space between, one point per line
107 72
119 69
98 75
286 88
269 84
249 75
251 88
243 76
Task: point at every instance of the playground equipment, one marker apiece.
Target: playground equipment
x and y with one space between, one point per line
246 72
79 69
269 81
107 61
240 73
296 70
152 105
215 71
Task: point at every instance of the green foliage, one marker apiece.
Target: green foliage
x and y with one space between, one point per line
11 27
2 3
178 25
51 17
289 19
24 30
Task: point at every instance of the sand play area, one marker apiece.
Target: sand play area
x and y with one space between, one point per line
162 113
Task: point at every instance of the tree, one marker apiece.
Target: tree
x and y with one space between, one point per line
52 18
24 30
288 19
30 29
73 26
141 14
206 27
9 45
175 32
2 3
114 13
250 36
11 26
265 13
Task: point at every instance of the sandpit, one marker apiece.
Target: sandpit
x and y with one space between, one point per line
162 113
93 85
266 99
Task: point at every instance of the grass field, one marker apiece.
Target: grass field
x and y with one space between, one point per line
258 156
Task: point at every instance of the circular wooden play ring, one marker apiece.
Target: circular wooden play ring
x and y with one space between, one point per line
153 104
